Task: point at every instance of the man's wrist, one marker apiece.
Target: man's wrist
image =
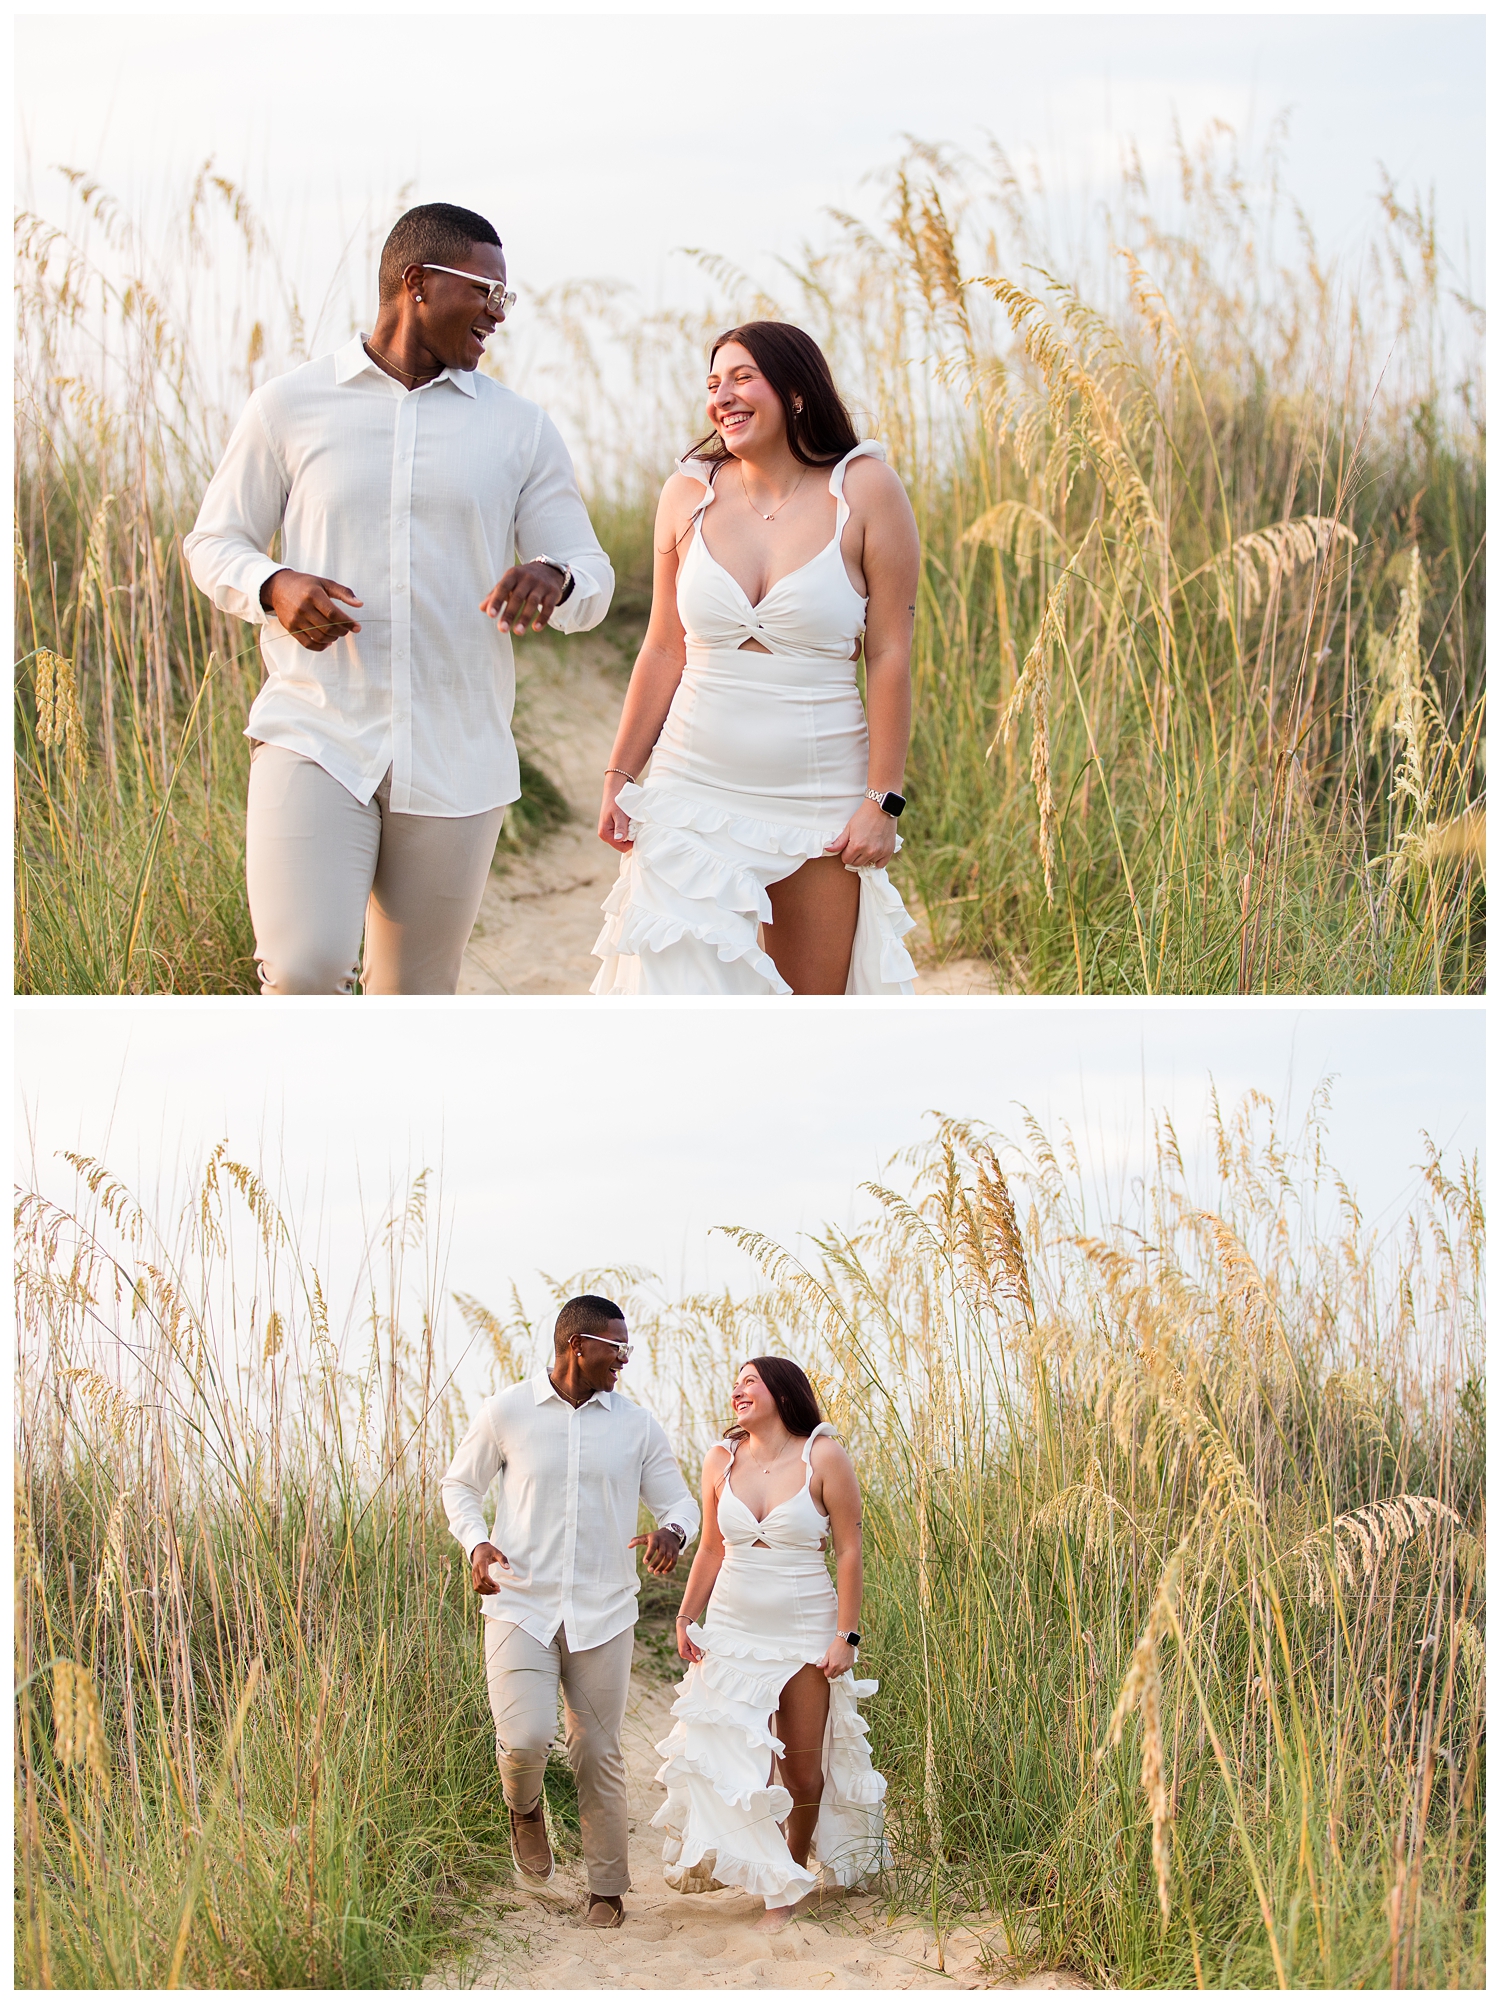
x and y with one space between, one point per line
265 589
564 571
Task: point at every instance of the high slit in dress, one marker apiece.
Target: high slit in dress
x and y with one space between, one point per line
760 763
773 1609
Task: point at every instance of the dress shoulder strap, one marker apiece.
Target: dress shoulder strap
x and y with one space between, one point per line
821 1427
868 448
696 470
734 1448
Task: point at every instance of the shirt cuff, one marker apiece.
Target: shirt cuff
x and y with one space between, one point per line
584 606
240 588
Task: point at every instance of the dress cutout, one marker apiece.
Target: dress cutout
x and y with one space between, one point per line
773 1609
761 762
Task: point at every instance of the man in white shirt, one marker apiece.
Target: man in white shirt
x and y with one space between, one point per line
575 1461
403 484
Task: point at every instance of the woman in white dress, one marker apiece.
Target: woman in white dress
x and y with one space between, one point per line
755 854
766 1764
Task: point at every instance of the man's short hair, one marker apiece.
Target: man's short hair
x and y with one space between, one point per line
584 1315
434 233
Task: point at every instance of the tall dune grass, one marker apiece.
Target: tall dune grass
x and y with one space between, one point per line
1206 1467
1200 644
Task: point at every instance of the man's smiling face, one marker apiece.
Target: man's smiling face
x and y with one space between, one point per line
600 1361
454 319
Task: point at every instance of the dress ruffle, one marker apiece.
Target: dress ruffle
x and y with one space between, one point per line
700 873
722 1815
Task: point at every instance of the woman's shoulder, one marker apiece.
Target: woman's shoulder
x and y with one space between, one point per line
688 479
827 1450
681 494
869 475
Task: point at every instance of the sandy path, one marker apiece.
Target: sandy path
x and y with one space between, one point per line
540 914
705 1941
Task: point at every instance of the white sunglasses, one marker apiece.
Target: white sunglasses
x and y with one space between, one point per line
497 299
623 1348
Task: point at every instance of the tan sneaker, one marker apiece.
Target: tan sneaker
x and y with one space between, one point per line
530 1852
602 1914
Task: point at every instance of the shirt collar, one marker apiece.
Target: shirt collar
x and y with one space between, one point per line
351 361
542 1389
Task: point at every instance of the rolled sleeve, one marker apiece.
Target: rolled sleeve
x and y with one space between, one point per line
663 1490
227 547
551 521
465 1486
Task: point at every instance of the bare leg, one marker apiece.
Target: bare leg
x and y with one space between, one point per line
799 1725
811 934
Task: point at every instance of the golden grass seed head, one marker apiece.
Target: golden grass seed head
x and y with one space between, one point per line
59 718
111 1407
79 1728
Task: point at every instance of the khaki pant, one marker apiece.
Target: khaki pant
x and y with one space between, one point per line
523 1676
321 867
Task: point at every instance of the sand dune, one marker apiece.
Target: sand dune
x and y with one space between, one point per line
540 915
706 1941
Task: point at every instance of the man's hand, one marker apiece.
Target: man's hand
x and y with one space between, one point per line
480 1560
527 592
662 1551
305 607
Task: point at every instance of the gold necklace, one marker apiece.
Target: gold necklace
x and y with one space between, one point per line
413 374
779 505
777 1456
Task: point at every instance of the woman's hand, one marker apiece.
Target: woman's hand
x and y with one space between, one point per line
867 838
837 1658
614 822
687 1649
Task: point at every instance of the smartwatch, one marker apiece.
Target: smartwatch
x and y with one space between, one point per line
553 564
851 1636
888 803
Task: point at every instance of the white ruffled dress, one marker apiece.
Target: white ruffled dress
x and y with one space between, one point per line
761 762
772 1610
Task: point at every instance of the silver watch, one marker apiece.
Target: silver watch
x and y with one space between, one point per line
556 564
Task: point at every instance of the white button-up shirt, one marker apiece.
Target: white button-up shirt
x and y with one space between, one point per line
571 1482
419 501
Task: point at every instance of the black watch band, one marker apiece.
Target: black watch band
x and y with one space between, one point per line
553 564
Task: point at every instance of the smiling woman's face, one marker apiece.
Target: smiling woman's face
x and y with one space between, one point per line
753 1404
742 407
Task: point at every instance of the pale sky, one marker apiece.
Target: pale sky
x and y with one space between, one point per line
601 142
574 1135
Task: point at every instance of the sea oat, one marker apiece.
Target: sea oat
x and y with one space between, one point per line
59 720
28 1557
1353 1548
112 1564
79 1728
1141 1691
111 1407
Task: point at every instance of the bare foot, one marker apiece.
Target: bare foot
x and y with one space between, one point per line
773 1920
